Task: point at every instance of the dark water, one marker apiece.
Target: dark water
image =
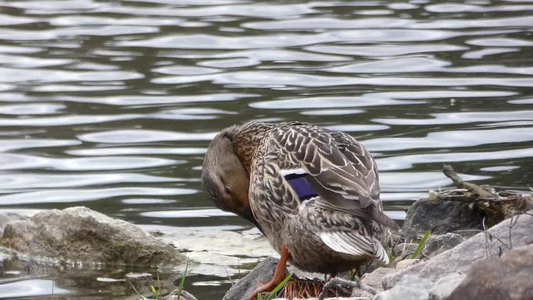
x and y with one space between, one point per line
111 104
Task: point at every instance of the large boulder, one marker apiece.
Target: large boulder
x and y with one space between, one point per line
493 278
79 234
513 232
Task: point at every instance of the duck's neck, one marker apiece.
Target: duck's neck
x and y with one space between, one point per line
246 138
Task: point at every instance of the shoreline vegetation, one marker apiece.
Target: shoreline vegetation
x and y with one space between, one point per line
451 244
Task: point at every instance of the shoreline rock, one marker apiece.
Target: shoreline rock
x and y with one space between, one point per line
495 278
261 274
79 234
445 272
428 215
514 232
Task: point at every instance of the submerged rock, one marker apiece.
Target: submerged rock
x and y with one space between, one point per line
215 252
79 234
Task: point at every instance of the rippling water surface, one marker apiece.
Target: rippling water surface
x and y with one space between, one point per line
111 104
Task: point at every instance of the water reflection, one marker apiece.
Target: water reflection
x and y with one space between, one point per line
111 105
142 136
30 288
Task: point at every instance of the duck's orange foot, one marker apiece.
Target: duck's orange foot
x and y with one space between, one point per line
265 288
279 275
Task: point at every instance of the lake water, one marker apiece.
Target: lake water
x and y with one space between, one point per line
111 104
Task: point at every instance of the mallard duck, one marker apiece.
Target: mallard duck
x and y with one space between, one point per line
313 192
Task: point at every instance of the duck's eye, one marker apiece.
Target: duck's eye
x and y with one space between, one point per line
227 189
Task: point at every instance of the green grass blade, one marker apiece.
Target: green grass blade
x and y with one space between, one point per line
155 293
278 288
158 283
421 245
182 281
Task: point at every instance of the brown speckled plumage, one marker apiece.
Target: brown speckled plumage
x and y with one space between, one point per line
330 222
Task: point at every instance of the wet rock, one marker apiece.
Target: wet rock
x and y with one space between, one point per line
220 253
261 274
437 244
440 217
491 243
78 234
493 278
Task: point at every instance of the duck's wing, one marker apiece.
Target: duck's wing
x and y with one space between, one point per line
339 173
361 160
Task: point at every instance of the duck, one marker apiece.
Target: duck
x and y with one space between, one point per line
312 191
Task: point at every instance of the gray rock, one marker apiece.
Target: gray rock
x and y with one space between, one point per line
261 274
402 264
78 234
445 286
409 287
375 278
437 244
6 218
440 217
404 250
493 242
416 287
493 278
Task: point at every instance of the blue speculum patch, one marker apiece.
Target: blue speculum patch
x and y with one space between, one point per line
301 186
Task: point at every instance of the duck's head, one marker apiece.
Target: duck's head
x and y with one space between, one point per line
225 177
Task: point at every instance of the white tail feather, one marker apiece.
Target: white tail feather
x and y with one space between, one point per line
354 244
